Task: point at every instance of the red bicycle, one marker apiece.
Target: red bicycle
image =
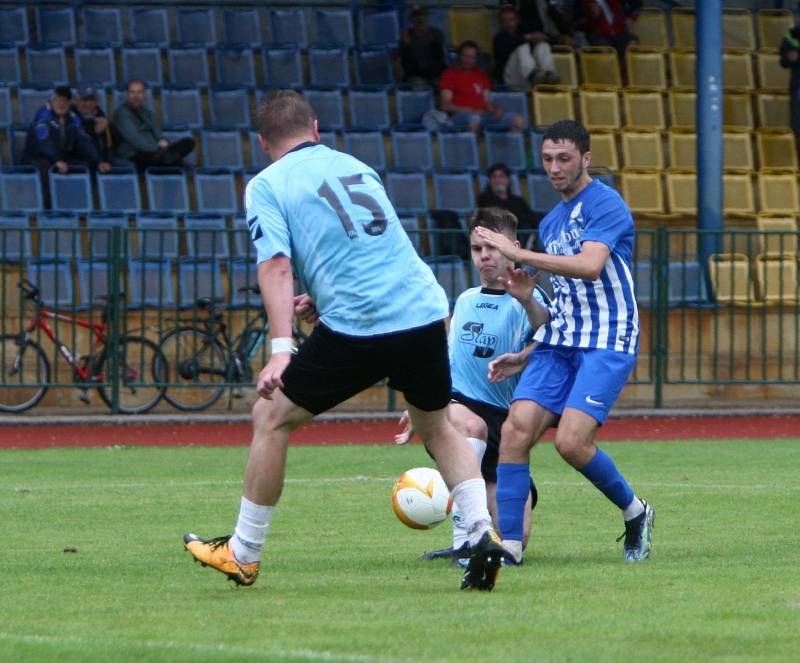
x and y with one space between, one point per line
137 365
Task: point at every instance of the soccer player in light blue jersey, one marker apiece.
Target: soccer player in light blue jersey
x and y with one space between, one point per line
588 340
490 333
325 215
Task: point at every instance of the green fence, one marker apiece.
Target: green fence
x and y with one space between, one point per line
166 312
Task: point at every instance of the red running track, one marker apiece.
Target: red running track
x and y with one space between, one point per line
374 432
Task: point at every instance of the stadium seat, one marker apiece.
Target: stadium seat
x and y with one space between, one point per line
647 67
408 191
686 283
18 134
411 226
458 149
58 234
776 149
149 25
776 278
377 28
55 25
96 65
241 274
167 189
288 27
604 149
471 23
737 29
682 149
150 284
374 67
329 67
551 103
566 66
235 67
773 110
454 191
198 278
182 107
682 105
643 275
15 236
599 108
47 66
366 146
412 104
156 236
248 174
738 198
10 72
542 197
369 109
515 101
651 28
206 236
778 235
230 107
54 281
682 193
216 190
451 275
241 26
771 76
143 63
71 190
175 134
643 191
222 148
737 150
334 27
328 106
93 281
683 27
257 157
101 25
506 147
98 229
5 107
196 26
14 26
600 66
644 109
778 192
329 139
737 70
772 24
188 66
282 67
242 242
737 110
683 65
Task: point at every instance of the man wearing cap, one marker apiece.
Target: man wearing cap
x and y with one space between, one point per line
95 124
56 138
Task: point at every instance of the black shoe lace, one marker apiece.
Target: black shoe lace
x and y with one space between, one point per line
219 541
632 532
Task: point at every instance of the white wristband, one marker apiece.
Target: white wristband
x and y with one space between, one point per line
283 344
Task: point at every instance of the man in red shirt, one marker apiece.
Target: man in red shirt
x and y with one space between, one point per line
465 95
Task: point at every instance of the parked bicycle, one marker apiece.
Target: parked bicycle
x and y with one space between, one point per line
140 368
204 359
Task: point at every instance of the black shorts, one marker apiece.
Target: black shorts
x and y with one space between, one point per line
494 418
330 367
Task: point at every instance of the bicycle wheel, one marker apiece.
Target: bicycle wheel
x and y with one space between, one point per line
197 369
142 373
24 374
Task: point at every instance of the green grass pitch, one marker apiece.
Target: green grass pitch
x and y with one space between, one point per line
340 578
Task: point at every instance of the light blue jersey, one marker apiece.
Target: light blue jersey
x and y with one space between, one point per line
486 323
328 212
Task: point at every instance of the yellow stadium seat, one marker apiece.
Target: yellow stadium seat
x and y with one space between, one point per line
737 151
651 28
646 67
604 149
737 70
730 278
772 25
683 64
470 23
738 198
644 109
683 27
780 237
600 66
737 110
599 107
643 191
737 29
771 76
778 192
682 149
682 192
776 277
552 103
773 110
682 108
642 149
566 68
776 149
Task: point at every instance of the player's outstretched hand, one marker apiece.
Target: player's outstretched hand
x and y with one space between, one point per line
270 377
519 283
305 308
499 241
408 429
507 365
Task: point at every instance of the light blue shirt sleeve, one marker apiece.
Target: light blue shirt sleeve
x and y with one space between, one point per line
268 225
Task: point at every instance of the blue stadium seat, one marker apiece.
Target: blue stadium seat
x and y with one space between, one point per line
102 25
17 135
411 226
451 275
643 281
222 148
506 147
143 63
198 278
369 109
54 281
329 67
235 67
230 107
458 149
603 174
512 101
176 134
59 236
182 107
10 72
536 150
71 190
378 28
99 225
448 234
96 65
150 283
242 26
408 191
21 188
412 104
30 100
282 67
206 236
216 190
93 281
687 282
329 139
15 236
156 236
188 66
334 27
242 243
47 65
167 189
412 149
374 67
149 25
366 146
14 26
5 106
454 191
328 106
119 190
288 27
257 158
248 174
196 26
241 274
542 197
55 25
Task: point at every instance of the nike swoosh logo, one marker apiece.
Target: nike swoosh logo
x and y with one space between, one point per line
591 401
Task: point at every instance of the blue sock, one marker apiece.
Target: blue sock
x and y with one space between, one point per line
513 486
602 472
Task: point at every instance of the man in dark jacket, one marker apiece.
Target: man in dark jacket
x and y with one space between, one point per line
790 59
56 139
95 124
139 135
421 50
498 194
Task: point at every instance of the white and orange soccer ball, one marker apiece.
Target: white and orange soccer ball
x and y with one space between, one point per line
420 498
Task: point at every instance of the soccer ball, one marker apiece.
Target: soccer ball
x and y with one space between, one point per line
420 498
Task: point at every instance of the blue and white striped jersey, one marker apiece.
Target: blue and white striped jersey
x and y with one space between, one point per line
601 313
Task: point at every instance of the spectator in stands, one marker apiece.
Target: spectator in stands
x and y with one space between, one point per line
610 23
56 139
139 135
790 59
498 194
464 95
521 59
421 50
95 124
555 20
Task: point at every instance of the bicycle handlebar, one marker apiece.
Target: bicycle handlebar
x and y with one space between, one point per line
28 289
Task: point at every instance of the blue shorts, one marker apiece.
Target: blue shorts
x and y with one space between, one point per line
586 379
462 120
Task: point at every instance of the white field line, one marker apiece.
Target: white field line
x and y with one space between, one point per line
233 651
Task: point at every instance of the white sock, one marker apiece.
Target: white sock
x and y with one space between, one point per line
251 531
459 528
478 446
514 547
635 508
470 496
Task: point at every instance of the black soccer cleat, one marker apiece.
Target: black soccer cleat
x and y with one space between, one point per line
485 560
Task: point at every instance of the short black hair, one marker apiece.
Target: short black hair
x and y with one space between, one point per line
568 131
63 91
494 218
467 44
498 166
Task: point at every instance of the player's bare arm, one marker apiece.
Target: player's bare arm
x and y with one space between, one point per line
276 282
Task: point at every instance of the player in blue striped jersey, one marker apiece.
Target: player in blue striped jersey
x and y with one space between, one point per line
588 339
